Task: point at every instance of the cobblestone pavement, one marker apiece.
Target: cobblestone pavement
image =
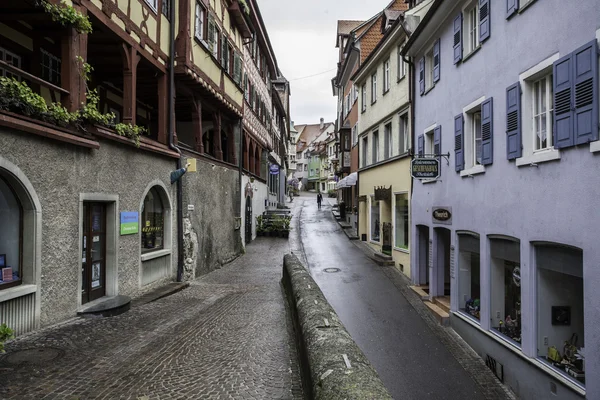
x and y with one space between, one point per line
228 336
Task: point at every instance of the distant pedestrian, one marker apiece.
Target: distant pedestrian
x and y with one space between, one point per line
319 199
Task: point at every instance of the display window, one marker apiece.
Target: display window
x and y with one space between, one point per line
505 272
469 284
11 236
153 222
560 318
375 220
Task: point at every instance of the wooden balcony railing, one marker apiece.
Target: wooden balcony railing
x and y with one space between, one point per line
32 78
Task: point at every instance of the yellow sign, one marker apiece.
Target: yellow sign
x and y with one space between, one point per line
147 223
192 165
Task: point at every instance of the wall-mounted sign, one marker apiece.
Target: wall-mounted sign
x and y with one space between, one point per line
383 194
425 168
274 169
347 160
129 222
442 215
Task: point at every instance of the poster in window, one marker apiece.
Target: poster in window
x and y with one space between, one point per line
96 226
95 275
7 275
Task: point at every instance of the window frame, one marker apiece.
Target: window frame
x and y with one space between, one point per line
155 190
20 281
469 154
365 150
469 11
371 227
3 53
429 84
153 4
374 87
375 146
364 98
386 76
403 133
401 67
407 222
200 28
52 73
388 138
549 105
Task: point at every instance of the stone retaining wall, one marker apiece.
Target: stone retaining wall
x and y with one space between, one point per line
334 366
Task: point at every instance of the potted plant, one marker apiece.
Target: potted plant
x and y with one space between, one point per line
5 334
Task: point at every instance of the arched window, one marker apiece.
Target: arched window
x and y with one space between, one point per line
153 222
11 236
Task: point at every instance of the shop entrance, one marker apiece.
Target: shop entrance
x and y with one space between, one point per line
93 258
423 256
248 219
441 268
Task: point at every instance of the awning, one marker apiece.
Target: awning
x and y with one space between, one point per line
341 184
351 179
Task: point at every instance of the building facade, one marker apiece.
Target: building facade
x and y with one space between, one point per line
384 180
499 231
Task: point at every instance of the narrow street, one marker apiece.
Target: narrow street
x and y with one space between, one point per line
409 357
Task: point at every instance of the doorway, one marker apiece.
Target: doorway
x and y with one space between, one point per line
248 219
422 274
93 258
441 269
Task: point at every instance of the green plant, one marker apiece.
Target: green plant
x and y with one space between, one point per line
130 131
60 116
18 97
86 69
90 112
245 6
5 334
67 15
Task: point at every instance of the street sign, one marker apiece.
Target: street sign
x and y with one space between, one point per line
425 168
274 169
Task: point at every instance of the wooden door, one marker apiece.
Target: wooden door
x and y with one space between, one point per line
93 260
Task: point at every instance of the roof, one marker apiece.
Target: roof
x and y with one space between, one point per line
345 27
310 132
421 27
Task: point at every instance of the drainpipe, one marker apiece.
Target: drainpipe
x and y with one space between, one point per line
171 142
241 166
411 91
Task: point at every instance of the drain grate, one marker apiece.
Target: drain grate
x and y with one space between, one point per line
40 355
331 270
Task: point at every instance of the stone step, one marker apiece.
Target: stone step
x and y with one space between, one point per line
106 307
382 256
442 316
419 290
443 302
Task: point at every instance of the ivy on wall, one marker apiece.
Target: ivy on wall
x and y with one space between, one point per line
67 15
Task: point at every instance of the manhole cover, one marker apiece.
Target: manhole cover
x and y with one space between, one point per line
33 356
331 270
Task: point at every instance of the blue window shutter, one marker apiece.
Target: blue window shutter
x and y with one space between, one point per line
436 61
487 132
457 38
585 88
459 144
421 145
513 122
422 75
562 76
512 6
437 142
484 20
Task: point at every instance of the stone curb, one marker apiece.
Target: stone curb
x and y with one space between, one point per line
334 367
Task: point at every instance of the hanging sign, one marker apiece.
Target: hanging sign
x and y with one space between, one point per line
274 169
425 168
441 215
129 222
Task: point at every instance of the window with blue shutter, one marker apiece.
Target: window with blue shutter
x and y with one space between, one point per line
421 145
585 83
513 122
512 6
437 142
457 38
487 132
563 102
459 144
484 20
436 61
422 75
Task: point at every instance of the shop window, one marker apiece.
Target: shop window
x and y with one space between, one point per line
401 226
375 223
153 222
11 235
560 319
506 288
469 285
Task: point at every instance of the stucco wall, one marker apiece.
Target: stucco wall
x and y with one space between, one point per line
59 173
214 191
555 201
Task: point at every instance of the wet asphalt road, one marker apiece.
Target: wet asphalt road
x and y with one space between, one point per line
409 357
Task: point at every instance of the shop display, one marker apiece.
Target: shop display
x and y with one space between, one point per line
473 307
572 360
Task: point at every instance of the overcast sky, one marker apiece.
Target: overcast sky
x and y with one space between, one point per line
302 33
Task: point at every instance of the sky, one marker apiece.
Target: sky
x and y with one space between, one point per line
302 33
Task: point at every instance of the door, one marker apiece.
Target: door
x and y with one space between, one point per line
93 260
248 219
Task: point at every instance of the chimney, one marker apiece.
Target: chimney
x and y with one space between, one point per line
322 122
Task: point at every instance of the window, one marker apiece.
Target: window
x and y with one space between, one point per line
375 223
365 144
166 8
153 222
51 66
312 172
403 133
542 108
347 138
373 88
429 69
471 19
200 15
11 234
12 59
387 149
364 97
375 149
506 288
354 134
153 4
560 303
429 143
475 137
386 76
401 65
469 286
305 167
401 226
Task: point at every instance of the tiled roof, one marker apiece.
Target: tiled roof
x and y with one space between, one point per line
373 35
311 132
346 26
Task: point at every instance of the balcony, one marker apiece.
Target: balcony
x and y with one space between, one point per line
240 13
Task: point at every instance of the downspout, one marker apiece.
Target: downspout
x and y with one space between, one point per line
171 142
411 91
241 166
